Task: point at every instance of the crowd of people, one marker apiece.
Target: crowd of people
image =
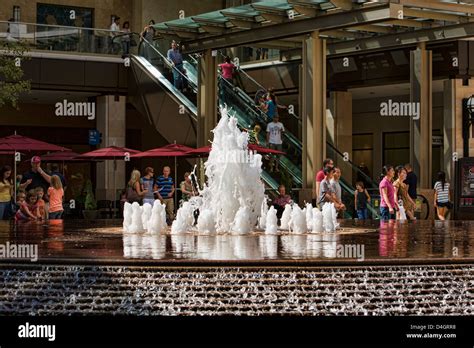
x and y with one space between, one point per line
148 188
39 195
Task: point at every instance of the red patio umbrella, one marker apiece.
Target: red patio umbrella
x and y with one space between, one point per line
14 143
61 156
110 153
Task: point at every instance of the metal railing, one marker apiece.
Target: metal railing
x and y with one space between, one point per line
62 38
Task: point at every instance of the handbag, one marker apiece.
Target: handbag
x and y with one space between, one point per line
132 195
449 205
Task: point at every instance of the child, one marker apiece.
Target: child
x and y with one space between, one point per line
361 197
20 198
28 208
41 203
56 194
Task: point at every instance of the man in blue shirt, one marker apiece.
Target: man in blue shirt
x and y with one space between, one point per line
411 181
165 192
176 59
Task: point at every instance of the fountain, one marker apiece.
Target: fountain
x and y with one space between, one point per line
317 225
157 222
309 216
146 215
285 218
233 199
263 214
298 220
271 221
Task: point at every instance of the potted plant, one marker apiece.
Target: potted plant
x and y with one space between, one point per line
90 205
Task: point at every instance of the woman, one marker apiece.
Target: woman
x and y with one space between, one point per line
401 192
388 206
6 191
134 190
270 107
148 33
442 196
187 189
126 39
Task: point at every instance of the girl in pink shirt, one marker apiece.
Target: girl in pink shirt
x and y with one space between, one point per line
56 194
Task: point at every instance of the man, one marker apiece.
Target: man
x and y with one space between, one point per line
165 192
176 59
274 131
411 181
115 30
327 193
149 184
328 162
336 186
35 177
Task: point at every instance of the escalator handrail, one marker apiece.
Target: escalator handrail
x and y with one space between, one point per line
365 176
261 87
259 114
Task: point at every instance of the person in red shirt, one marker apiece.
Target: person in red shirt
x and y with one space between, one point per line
328 162
227 72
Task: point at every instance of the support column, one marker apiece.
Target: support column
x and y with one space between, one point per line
339 126
421 128
454 92
111 122
207 97
313 111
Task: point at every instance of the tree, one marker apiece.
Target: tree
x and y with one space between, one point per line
12 84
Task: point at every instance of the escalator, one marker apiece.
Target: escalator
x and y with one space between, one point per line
171 112
155 96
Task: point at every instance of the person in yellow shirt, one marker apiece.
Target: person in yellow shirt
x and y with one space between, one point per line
6 190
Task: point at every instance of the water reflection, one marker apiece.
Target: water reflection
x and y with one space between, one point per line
146 246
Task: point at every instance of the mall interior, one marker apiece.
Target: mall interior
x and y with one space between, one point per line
331 64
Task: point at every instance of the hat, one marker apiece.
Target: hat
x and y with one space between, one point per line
36 159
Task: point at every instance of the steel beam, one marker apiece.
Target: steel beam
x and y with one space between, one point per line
411 38
363 16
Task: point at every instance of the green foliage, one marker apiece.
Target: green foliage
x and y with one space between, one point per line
12 55
90 203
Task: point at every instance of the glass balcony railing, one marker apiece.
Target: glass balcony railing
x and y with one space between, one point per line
63 38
